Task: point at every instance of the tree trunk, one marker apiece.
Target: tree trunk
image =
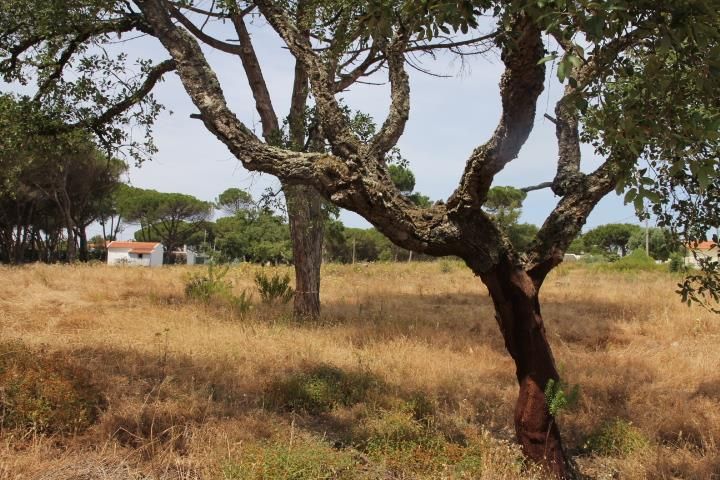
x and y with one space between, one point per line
82 235
305 215
71 252
517 308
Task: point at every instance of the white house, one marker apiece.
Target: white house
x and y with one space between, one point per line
147 254
702 250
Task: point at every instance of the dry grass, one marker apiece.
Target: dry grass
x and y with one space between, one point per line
406 377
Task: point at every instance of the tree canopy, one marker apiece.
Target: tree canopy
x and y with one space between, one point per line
170 218
50 183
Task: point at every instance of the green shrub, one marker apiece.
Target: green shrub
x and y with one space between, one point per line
617 438
275 289
321 389
677 263
47 393
560 397
213 288
393 430
636 260
206 287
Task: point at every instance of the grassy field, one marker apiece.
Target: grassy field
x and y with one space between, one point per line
111 373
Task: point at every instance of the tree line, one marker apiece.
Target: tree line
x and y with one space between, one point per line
52 187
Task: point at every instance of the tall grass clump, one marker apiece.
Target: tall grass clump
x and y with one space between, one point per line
275 289
213 288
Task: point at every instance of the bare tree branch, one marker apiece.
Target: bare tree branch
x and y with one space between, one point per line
539 186
568 174
520 86
121 107
393 127
568 218
258 86
191 8
342 141
204 37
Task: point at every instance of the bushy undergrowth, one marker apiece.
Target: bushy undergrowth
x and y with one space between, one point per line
677 263
275 289
45 393
322 388
617 438
214 289
635 261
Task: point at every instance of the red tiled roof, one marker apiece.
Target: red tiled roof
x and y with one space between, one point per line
702 245
135 247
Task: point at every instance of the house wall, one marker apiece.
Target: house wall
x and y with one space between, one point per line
117 255
123 255
156 257
712 254
142 262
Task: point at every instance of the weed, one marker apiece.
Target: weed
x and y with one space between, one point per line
275 289
619 438
322 388
558 399
213 288
394 430
205 288
305 459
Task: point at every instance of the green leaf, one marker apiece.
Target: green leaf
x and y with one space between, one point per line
548 58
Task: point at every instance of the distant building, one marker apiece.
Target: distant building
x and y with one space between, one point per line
187 256
147 254
571 257
702 250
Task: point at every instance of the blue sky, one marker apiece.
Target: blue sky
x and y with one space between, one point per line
449 117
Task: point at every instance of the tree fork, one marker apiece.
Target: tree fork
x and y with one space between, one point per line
518 315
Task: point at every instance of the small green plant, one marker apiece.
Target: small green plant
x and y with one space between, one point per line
275 289
241 303
321 389
618 438
393 430
213 288
205 287
557 399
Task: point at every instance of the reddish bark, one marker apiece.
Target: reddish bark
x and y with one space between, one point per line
518 314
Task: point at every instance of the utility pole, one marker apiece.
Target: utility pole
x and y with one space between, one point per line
647 237
353 253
